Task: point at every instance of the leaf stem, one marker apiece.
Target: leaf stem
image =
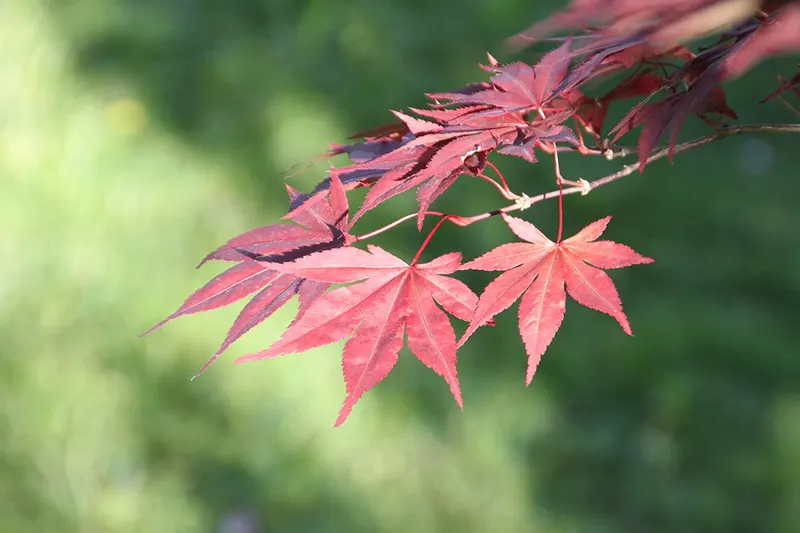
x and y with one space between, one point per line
508 195
499 175
560 182
393 224
428 238
560 211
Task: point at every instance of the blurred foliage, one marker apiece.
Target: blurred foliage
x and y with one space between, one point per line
135 136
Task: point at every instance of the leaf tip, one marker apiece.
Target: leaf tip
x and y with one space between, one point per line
157 326
344 413
256 356
623 321
533 364
208 364
455 389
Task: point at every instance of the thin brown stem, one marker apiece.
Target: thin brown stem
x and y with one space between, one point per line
560 180
728 131
615 152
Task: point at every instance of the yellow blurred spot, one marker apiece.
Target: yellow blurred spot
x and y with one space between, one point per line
127 115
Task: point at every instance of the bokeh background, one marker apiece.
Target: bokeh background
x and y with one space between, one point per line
136 136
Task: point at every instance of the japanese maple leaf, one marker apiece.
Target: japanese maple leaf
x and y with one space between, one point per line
519 86
537 270
393 297
324 226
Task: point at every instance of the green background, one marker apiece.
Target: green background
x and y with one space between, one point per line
136 136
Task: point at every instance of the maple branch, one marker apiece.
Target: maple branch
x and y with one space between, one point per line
583 187
728 131
610 152
522 202
615 152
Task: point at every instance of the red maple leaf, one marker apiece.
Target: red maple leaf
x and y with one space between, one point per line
394 297
324 226
519 86
538 269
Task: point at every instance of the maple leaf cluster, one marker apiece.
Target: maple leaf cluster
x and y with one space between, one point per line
625 32
752 29
522 111
388 298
